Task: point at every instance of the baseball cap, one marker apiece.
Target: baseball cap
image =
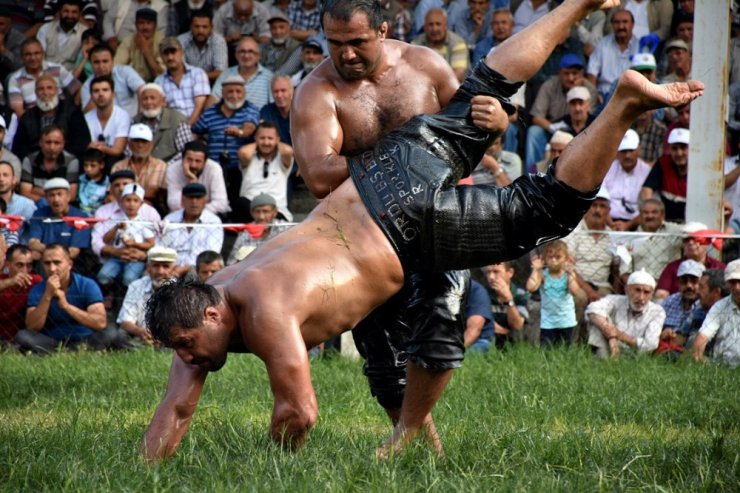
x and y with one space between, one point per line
55 183
732 271
194 190
170 43
690 268
679 136
578 92
643 61
277 15
676 43
140 131
603 193
133 189
161 254
641 277
262 199
123 173
630 141
571 60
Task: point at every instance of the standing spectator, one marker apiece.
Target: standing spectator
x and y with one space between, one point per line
141 49
612 55
722 324
478 319
278 112
266 165
107 123
305 18
312 54
264 211
14 288
256 78
169 127
624 181
226 127
502 27
189 241
160 268
678 306
195 167
22 82
630 321
449 45
668 178
590 31
15 204
126 80
508 304
186 87
50 110
61 38
93 188
150 172
281 54
556 280
10 43
66 308
5 154
207 264
236 19
203 47
120 19
51 161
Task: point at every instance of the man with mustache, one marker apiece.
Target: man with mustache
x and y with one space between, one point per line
170 128
611 57
678 305
61 38
282 53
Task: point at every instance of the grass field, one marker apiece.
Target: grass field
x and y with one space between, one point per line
519 421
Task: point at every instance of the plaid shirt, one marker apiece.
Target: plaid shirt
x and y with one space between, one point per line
651 141
22 85
675 315
190 242
302 20
194 83
153 174
214 56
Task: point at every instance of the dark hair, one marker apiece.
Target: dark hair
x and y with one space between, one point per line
30 41
95 155
11 166
58 246
206 257
180 303
16 248
52 128
195 146
97 49
3 205
267 124
343 10
202 13
632 17
75 3
102 78
91 33
716 280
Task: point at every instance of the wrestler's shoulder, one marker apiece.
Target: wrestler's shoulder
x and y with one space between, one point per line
418 58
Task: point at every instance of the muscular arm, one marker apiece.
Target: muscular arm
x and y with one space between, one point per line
172 418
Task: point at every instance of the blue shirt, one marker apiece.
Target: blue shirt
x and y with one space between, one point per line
675 315
270 113
91 194
213 122
58 231
558 307
480 304
82 292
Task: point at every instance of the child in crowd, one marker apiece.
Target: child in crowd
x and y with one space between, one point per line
556 280
7 236
128 237
94 183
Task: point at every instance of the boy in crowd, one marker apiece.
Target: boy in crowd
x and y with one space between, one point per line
94 184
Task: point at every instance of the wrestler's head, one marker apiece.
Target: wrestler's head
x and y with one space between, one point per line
189 317
355 32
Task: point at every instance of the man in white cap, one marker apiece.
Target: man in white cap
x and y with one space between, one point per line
618 322
722 324
624 182
579 112
668 178
160 267
150 172
555 148
170 128
678 306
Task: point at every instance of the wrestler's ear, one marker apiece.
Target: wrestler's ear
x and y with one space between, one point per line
383 30
211 314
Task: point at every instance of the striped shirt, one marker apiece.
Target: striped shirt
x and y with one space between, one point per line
194 83
22 85
214 55
259 91
213 122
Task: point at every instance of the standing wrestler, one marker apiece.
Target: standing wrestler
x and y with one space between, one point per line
348 257
370 86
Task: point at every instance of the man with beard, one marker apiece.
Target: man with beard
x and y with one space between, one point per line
61 38
678 306
256 78
312 54
150 171
169 127
126 80
160 268
668 179
107 123
282 53
226 127
141 49
50 161
630 321
624 182
50 110
195 167
203 47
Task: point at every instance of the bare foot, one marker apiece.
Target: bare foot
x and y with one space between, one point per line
403 436
639 94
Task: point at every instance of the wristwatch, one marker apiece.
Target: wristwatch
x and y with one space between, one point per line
510 303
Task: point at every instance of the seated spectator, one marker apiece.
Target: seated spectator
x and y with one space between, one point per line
501 28
10 54
695 248
472 22
449 45
678 54
305 18
712 288
312 54
126 81
5 154
15 204
554 149
195 167
208 263
118 181
51 161
265 167
190 241
652 18
263 211
140 50
169 127
227 126
150 172
237 19
160 268
41 233
630 321
82 69
186 87
129 232
611 57
722 323
203 47
527 12
61 38
22 82
50 110
121 18
180 23
554 276
579 112
107 122
652 134
668 178
66 308
678 306
255 78
278 112
624 181
93 189
498 166
281 54
15 284
478 318
508 304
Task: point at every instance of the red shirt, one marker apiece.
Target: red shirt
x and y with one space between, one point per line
669 277
13 307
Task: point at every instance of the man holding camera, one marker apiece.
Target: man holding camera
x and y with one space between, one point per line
227 126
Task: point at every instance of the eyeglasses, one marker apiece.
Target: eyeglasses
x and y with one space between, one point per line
265 169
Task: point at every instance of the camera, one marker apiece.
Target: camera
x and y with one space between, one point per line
224 158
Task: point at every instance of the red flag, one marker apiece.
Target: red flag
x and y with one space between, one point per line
80 223
11 222
713 236
254 230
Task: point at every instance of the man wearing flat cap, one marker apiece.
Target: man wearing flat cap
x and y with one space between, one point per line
120 18
630 321
282 54
192 229
140 50
169 127
186 87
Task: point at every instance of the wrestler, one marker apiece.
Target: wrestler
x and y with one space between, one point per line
346 258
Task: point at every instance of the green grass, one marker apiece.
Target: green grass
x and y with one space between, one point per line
519 421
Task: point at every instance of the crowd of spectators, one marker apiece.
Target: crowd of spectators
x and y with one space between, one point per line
144 139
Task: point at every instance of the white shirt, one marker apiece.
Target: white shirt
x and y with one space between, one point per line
107 211
117 126
644 326
189 244
212 178
640 13
624 188
133 308
127 82
276 183
723 326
